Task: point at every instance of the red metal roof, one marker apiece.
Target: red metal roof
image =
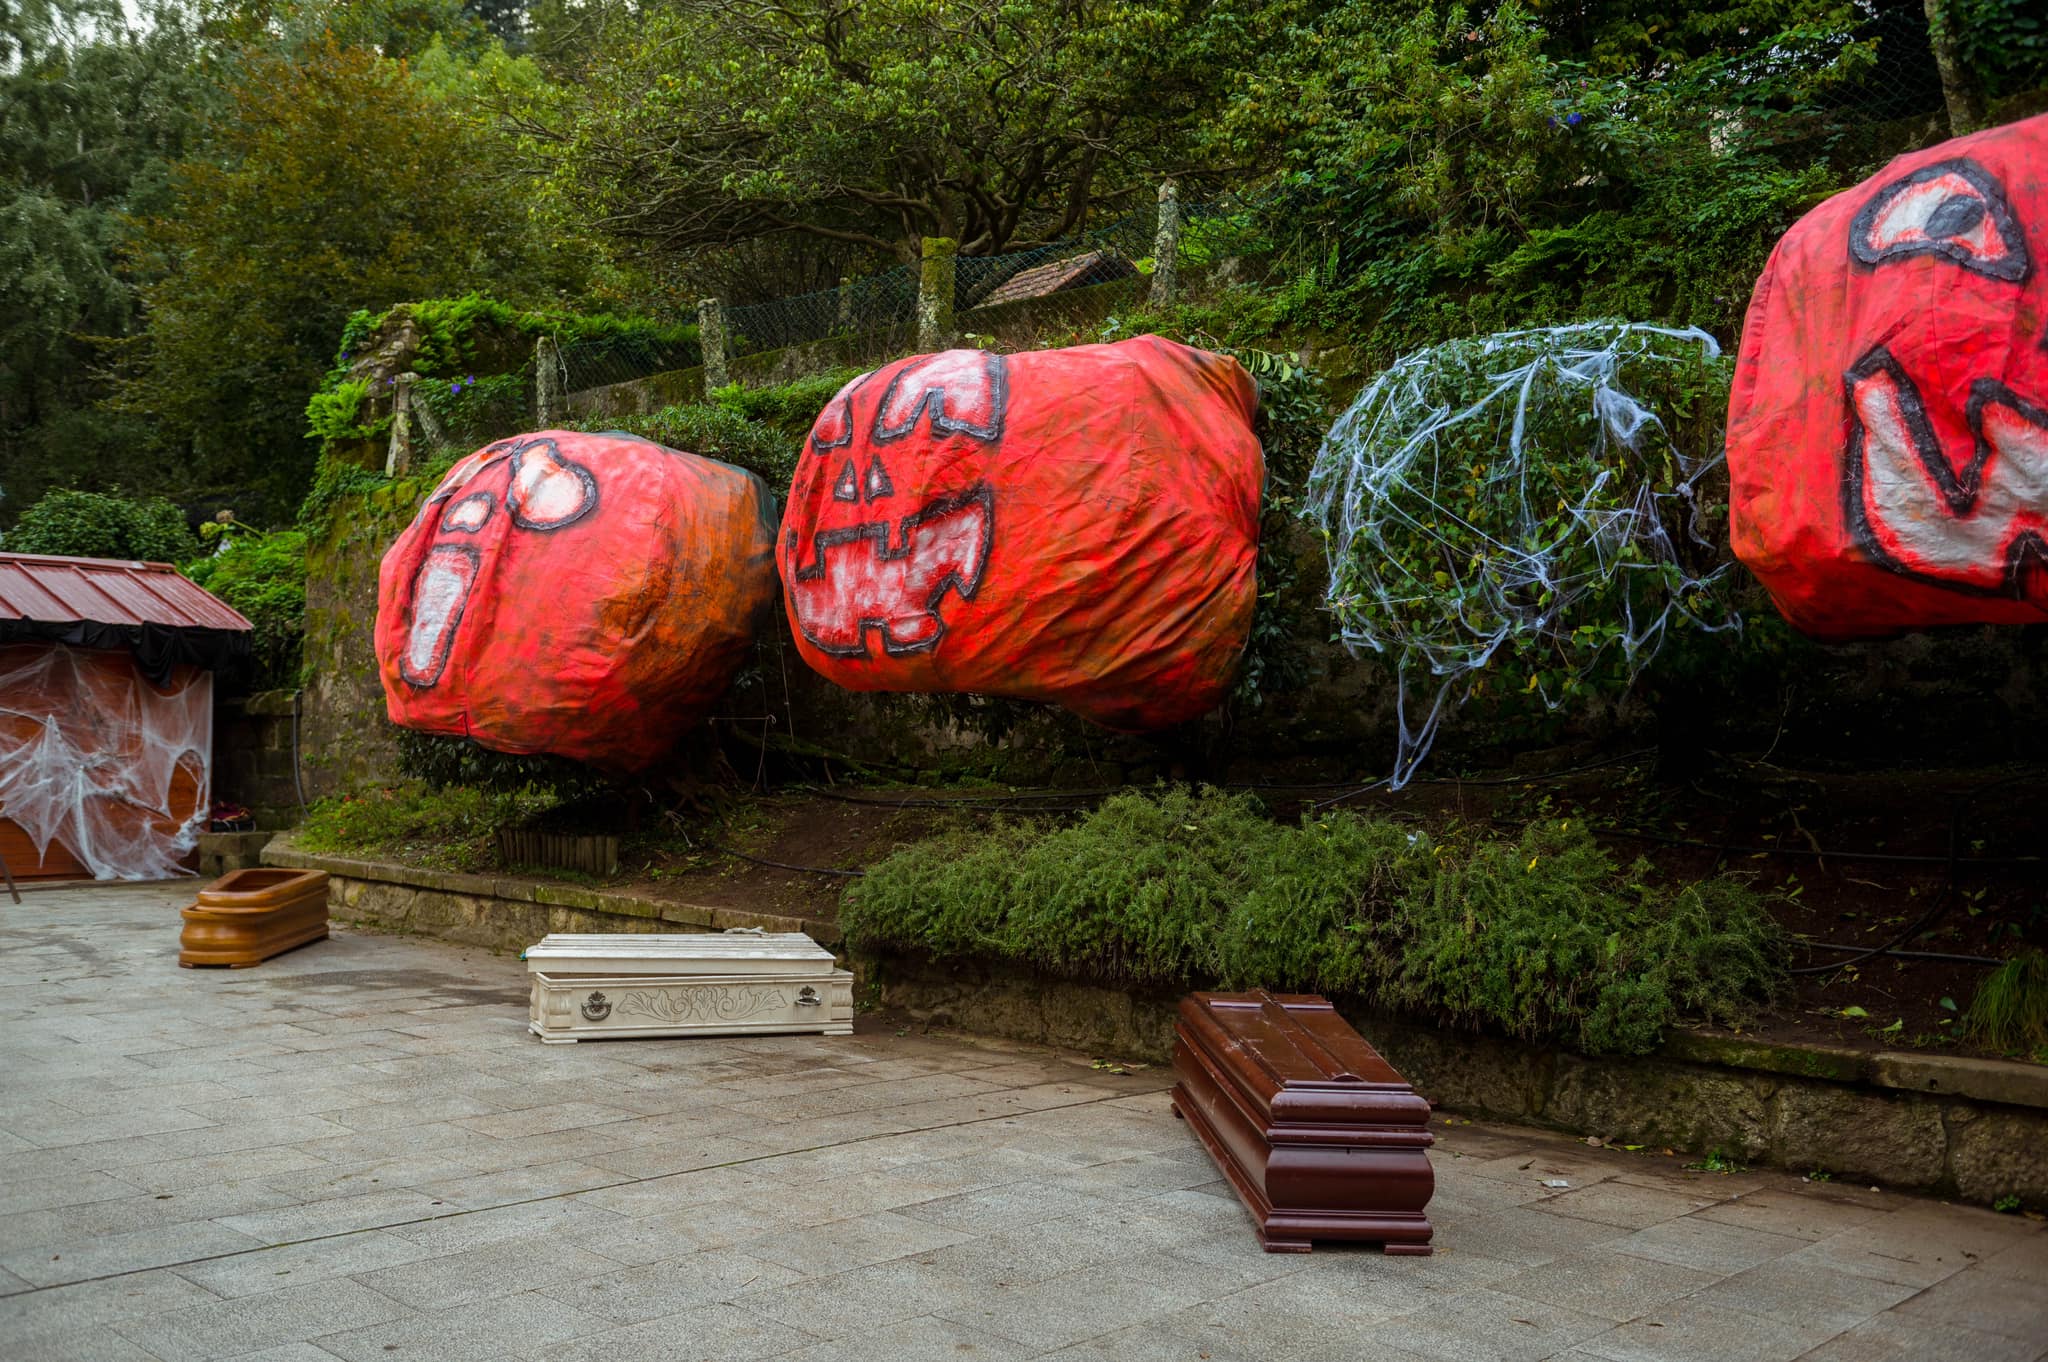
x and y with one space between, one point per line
53 590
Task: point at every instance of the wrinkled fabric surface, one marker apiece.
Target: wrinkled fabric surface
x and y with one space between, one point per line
1076 526
1888 432
590 596
97 760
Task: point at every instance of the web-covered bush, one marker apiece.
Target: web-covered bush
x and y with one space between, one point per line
1526 511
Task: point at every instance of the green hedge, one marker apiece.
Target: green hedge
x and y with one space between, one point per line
1542 936
103 525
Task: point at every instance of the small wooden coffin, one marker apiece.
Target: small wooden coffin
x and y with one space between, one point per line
693 984
1318 1134
247 916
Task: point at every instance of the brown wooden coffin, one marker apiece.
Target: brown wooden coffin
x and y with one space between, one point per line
1318 1134
247 916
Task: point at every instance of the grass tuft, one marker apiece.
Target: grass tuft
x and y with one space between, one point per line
2010 1011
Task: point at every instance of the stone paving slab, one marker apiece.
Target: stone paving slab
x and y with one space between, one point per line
356 1151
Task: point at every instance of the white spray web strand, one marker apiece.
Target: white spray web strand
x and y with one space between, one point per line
90 757
1507 495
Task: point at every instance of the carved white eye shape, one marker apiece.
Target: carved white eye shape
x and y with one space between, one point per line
548 491
1953 209
847 486
470 513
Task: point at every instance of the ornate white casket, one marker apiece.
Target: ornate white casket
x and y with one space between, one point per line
742 982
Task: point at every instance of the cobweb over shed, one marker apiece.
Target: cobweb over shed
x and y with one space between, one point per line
1516 505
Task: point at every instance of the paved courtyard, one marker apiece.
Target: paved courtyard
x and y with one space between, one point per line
356 1151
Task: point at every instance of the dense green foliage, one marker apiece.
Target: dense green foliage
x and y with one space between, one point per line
330 177
440 762
264 577
88 132
1450 175
722 123
103 525
1541 936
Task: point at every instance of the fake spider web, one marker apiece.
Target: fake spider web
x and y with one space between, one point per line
1506 495
97 760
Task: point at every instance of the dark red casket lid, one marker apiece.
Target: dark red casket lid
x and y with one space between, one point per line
1291 1056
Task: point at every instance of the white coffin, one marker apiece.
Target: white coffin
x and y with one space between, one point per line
694 984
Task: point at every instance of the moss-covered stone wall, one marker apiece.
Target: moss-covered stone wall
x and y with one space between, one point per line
345 737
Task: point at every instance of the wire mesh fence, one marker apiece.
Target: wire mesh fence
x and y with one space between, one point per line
874 302
600 361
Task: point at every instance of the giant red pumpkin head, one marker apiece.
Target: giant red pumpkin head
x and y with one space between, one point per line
1888 435
590 596
1076 526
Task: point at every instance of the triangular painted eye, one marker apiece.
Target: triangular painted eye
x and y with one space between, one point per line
847 488
1953 209
878 484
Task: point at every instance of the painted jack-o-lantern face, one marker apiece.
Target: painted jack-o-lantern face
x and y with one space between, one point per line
1078 526
586 595
1888 438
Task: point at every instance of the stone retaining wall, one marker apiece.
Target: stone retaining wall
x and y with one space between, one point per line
1972 1128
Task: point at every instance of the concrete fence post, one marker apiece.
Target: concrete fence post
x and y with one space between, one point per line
935 285
844 322
711 339
548 405
1166 247
398 456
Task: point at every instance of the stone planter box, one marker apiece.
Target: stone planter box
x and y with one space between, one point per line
248 916
1976 1129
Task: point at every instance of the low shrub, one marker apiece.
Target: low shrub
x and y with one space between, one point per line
1542 936
716 433
452 828
264 577
103 525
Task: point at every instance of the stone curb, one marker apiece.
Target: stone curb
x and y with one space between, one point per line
1982 1080
548 894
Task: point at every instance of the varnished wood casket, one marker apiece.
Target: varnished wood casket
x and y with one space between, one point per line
247 916
738 983
1318 1134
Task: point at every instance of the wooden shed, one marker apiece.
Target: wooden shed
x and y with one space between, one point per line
106 715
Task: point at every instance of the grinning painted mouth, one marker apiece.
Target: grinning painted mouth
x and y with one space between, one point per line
1981 527
860 580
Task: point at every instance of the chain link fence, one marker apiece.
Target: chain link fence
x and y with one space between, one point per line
600 361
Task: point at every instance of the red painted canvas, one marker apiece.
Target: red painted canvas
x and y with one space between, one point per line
590 596
1075 526
1888 435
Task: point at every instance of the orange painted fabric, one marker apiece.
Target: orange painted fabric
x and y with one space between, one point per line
1888 434
590 596
1076 526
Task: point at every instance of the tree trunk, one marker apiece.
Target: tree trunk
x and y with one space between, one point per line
1958 88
